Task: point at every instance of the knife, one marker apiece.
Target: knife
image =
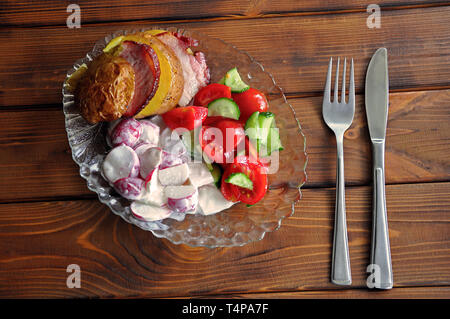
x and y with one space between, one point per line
377 100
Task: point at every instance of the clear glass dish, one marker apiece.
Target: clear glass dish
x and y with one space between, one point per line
235 226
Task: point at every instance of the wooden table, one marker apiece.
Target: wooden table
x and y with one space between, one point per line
49 219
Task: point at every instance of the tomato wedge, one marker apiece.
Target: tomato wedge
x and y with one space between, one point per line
255 171
210 93
188 117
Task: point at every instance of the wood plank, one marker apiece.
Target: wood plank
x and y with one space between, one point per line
39 240
35 158
396 293
54 12
38 58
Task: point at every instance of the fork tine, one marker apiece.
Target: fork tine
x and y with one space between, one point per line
336 84
327 93
351 92
343 81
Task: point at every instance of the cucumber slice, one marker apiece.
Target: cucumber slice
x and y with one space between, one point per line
234 81
266 121
273 141
269 136
216 173
252 126
241 180
224 107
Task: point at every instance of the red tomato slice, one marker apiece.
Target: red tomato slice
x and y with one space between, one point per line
210 93
188 117
212 120
219 142
249 102
255 171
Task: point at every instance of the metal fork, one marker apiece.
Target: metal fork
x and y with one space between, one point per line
339 117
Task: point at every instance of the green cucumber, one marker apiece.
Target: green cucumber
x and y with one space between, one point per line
270 140
241 180
216 173
252 126
261 127
266 120
224 107
234 81
273 141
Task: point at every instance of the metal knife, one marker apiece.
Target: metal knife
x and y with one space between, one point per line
377 100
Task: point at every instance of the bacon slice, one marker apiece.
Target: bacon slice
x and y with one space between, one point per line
195 70
145 63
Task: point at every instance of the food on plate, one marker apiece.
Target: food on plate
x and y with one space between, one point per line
127 132
178 144
210 93
188 117
233 79
182 199
130 187
250 101
244 180
149 212
139 75
171 82
146 68
106 88
121 162
195 70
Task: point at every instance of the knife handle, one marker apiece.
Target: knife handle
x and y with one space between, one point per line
340 262
380 253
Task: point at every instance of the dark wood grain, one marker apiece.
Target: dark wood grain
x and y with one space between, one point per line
39 240
54 12
396 293
38 58
35 158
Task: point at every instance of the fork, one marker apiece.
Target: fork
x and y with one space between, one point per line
339 116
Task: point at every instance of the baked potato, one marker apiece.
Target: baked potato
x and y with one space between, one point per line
105 89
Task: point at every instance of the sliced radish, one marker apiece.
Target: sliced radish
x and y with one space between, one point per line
154 191
150 159
130 187
158 120
120 163
141 148
111 126
171 142
127 132
149 212
181 199
150 132
199 174
169 160
211 200
175 175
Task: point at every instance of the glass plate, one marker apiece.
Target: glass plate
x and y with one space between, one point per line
235 226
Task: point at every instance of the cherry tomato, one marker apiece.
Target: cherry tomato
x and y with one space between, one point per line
233 132
255 171
249 102
210 93
212 120
219 142
188 117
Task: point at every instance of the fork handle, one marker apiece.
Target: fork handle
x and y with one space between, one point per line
340 265
380 252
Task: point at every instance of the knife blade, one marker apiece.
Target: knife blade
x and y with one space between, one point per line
377 94
377 100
